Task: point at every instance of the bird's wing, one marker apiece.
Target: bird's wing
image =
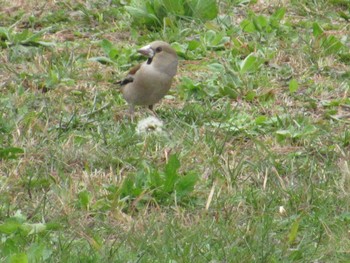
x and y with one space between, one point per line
130 77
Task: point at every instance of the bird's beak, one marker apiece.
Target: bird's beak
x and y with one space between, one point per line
146 51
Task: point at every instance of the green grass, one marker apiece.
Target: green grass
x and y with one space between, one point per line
253 161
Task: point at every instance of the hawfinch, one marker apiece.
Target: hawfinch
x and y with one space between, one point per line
149 82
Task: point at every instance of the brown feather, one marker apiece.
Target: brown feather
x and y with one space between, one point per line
134 69
130 77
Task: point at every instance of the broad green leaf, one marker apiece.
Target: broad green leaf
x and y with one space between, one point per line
283 134
38 252
84 199
279 13
34 37
109 49
22 36
229 91
260 23
293 233
4 33
250 96
35 228
102 60
308 130
317 30
155 180
19 258
10 152
132 186
46 44
174 7
250 64
293 86
344 15
170 173
113 54
127 187
9 227
275 19
216 67
185 184
248 26
193 44
141 16
261 120
106 45
345 216
180 49
331 45
168 22
203 9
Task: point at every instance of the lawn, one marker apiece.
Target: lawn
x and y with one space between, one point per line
251 164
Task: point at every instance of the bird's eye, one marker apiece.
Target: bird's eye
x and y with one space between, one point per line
158 49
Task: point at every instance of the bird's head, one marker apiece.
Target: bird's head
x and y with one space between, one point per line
161 55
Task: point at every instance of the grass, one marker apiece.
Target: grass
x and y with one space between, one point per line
252 166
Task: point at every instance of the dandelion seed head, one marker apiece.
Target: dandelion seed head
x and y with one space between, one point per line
149 125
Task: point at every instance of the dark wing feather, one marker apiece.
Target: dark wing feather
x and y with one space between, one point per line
130 77
125 81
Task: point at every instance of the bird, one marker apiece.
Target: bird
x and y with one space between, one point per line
147 83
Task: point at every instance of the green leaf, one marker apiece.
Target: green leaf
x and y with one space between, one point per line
317 30
345 217
248 26
21 36
174 7
185 184
155 180
10 152
293 233
84 199
250 64
102 60
141 16
4 33
260 23
331 45
193 45
106 45
19 258
9 227
344 15
276 17
38 252
283 134
216 67
109 49
250 96
34 228
170 173
203 9
293 86
260 120
46 43
279 13
127 187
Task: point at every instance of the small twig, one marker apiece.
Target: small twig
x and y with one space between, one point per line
210 197
340 117
96 111
345 106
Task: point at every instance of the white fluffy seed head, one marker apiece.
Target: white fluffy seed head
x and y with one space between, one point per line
149 125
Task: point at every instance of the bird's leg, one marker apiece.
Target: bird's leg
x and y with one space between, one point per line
131 112
150 107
